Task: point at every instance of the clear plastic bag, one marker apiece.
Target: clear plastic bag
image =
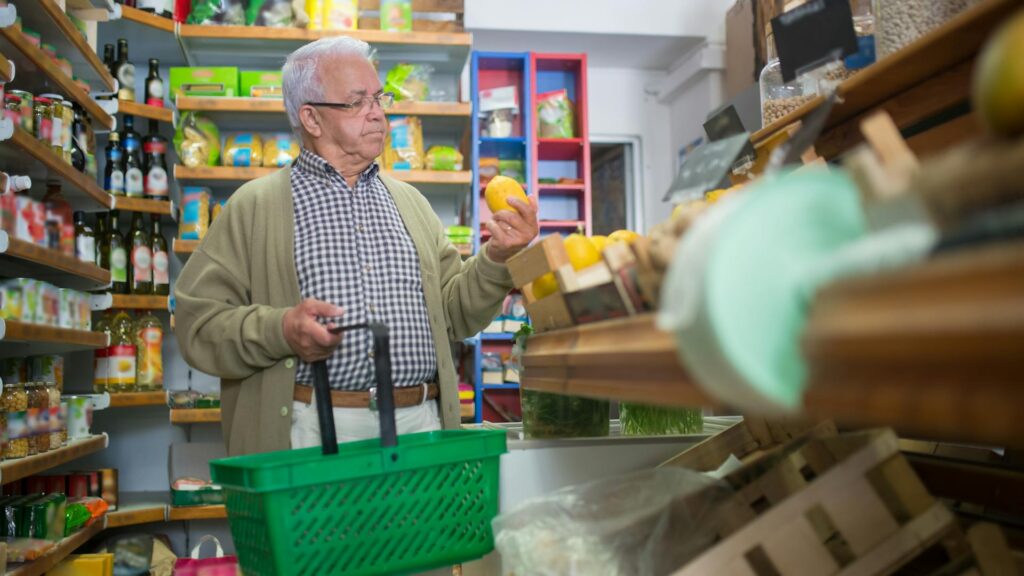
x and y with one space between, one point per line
647 523
555 115
409 81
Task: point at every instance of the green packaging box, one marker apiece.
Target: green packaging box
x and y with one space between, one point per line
204 81
260 84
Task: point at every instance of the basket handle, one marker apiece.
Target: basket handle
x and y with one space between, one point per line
385 391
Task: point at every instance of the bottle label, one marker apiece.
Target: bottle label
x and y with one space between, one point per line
85 246
17 425
142 265
57 132
115 183
155 93
133 183
45 130
126 78
151 368
118 265
154 147
101 368
32 421
156 182
43 420
161 272
122 366
55 419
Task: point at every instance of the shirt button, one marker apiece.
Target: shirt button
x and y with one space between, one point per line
289 363
372 308
359 228
284 410
366 269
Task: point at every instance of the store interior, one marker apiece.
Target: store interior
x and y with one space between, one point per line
772 324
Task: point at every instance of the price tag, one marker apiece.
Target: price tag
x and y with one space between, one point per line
813 34
727 123
705 168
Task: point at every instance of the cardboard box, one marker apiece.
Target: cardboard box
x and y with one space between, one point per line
739 48
260 84
204 81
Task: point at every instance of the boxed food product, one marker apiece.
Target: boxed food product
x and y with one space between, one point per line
280 150
11 300
404 147
244 149
396 15
195 213
195 492
555 115
260 84
204 81
273 13
85 565
444 158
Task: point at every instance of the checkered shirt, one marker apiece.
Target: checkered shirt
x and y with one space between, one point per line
352 250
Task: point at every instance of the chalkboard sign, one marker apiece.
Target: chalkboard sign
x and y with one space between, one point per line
813 34
726 122
705 168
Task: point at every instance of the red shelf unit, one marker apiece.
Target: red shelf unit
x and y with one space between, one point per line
561 205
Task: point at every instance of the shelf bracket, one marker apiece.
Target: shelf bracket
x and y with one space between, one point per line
6 129
8 15
109 106
101 302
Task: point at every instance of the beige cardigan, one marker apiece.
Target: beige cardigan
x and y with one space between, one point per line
233 293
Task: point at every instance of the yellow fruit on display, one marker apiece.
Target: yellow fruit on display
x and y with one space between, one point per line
545 286
627 236
582 252
998 90
599 242
498 192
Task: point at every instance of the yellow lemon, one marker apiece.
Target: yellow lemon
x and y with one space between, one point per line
545 286
999 79
599 242
498 192
582 252
627 236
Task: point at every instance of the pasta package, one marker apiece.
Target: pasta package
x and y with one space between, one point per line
280 151
243 150
195 213
444 158
404 147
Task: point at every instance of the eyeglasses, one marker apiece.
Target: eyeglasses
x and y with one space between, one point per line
360 106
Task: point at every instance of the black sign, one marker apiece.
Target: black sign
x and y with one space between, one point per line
813 34
705 168
727 123
811 126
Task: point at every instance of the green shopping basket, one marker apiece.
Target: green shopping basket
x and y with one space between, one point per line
375 507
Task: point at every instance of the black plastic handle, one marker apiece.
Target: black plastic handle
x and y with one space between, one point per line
385 390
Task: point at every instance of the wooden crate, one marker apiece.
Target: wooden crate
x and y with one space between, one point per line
850 504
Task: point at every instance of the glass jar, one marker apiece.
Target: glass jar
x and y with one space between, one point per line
57 123
68 112
864 26
42 119
15 406
39 413
779 98
58 428
900 22
12 108
26 108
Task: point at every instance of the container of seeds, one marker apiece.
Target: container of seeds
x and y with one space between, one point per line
56 423
39 418
779 98
14 401
900 22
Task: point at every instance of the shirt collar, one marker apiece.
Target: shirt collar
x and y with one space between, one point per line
313 165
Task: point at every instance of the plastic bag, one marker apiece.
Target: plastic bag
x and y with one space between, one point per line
244 150
280 151
444 158
647 523
555 115
96 506
404 147
409 81
217 12
76 515
195 213
197 141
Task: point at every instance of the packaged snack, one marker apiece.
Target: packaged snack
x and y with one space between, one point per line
27 549
280 150
243 150
217 12
514 169
315 13
500 109
195 213
11 299
409 81
197 141
41 516
48 369
95 505
272 13
555 115
340 14
195 492
260 84
396 15
444 158
217 208
404 147
13 370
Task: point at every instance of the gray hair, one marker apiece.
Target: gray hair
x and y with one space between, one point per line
299 79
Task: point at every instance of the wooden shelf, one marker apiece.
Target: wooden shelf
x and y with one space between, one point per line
147 19
12 470
216 512
276 106
926 78
130 302
232 174
195 415
78 188
561 187
184 246
136 515
62 550
70 43
27 260
6 71
136 399
32 63
157 113
21 339
126 204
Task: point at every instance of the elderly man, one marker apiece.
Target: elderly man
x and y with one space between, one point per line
333 240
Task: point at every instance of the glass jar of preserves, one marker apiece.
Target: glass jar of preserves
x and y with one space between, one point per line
67 127
57 123
58 429
12 108
14 402
27 118
42 119
39 418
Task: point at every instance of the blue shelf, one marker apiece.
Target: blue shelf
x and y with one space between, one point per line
509 140
508 386
506 337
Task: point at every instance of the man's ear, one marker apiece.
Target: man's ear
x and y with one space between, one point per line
310 119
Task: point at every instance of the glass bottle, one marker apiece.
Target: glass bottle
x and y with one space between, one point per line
118 257
154 85
141 271
102 242
124 71
79 156
149 342
83 135
108 59
85 239
161 261
101 358
154 147
113 172
779 98
132 143
122 354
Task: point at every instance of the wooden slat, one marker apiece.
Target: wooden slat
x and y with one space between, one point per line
995 488
196 512
12 470
144 111
54 260
136 516
61 551
5 69
258 33
135 302
126 204
454 6
275 105
63 23
50 69
147 19
15 331
195 415
944 136
135 399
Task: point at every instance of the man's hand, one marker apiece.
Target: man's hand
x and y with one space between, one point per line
512 231
310 339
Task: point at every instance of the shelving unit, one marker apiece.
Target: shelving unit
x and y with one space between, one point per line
24 259
135 302
195 415
63 549
21 339
136 509
12 470
53 22
78 188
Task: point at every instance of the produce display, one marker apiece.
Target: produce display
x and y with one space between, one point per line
645 420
